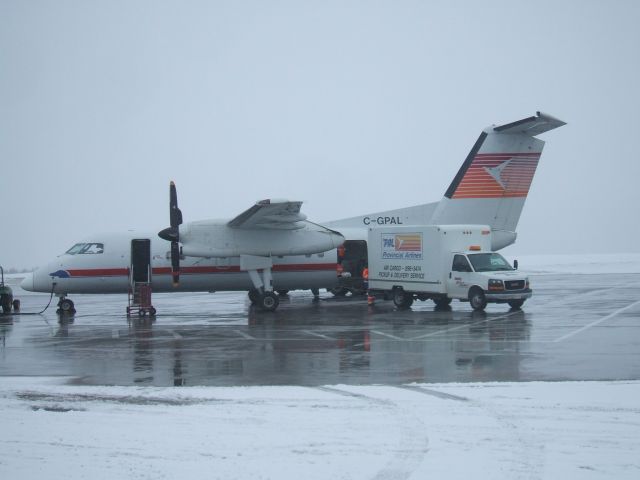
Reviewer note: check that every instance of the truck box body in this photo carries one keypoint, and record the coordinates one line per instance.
(442, 262)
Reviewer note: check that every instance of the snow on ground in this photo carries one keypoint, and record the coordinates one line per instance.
(579, 264)
(52, 430)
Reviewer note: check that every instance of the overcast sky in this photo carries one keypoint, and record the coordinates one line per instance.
(352, 107)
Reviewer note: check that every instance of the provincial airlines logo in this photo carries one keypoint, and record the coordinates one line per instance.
(493, 175)
(406, 246)
(409, 243)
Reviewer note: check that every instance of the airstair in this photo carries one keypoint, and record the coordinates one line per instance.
(139, 299)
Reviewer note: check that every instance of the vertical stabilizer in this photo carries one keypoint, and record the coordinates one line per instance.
(493, 183)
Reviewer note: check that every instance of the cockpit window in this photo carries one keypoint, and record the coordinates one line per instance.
(86, 248)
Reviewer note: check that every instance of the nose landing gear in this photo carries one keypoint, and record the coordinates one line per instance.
(65, 306)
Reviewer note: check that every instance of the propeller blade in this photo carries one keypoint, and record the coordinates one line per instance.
(172, 233)
(175, 263)
(175, 215)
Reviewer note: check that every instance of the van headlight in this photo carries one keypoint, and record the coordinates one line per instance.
(496, 284)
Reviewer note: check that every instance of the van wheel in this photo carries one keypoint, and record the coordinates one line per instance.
(402, 299)
(516, 304)
(477, 299)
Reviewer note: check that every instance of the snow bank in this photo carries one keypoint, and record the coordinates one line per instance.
(511, 430)
(579, 264)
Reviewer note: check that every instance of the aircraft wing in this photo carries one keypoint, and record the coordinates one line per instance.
(270, 214)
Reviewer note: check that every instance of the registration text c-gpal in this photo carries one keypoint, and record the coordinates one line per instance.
(382, 220)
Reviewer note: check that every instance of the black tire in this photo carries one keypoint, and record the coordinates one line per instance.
(442, 302)
(66, 306)
(516, 304)
(338, 291)
(152, 311)
(402, 299)
(477, 299)
(6, 304)
(269, 301)
(254, 296)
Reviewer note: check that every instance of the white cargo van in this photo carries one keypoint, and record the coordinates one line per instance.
(442, 262)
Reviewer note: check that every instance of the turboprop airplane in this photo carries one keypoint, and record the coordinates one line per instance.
(272, 247)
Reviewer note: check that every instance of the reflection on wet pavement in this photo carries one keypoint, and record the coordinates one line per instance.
(569, 330)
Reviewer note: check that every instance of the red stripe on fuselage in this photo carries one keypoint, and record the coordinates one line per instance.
(117, 272)
(98, 272)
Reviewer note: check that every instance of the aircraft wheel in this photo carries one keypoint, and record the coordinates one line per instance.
(338, 291)
(402, 299)
(477, 299)
(269, 301)
(442, 302)
(254, 296)
(516, 304)
(66, 306)
(152, 311)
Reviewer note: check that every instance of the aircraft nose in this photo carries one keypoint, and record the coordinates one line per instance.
(27, 283)
(38, 281)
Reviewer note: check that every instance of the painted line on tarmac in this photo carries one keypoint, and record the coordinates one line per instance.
(309, 332)
(245, 335)
(464, 325)
(388, 335)
(175, 334)
(597, 322)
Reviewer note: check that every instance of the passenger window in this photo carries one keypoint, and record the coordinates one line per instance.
(460, 264)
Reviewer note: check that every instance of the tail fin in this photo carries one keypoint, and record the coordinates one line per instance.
(492, 185)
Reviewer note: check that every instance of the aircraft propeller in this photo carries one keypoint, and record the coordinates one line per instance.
(172, 233)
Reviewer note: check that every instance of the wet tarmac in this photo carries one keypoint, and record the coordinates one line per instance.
(576, 327)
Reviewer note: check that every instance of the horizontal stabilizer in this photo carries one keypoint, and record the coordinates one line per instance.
(531, 126)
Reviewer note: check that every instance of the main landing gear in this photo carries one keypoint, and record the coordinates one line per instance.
(267, 301)
(262, 294)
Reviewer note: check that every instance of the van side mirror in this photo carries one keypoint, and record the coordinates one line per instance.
(515, 264)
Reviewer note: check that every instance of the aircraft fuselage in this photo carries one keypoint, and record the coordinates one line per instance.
(105, 266)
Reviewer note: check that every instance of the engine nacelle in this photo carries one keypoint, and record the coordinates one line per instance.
(216, 239)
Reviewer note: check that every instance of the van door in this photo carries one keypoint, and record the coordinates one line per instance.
(458, 281)
(141, 260)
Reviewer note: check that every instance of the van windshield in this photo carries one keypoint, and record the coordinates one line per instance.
(489, 262)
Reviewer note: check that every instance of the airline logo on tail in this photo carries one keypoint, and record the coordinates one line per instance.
(498, 175)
